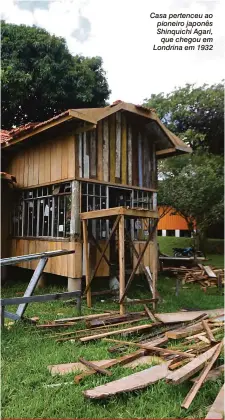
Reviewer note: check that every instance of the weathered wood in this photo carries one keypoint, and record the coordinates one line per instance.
(208, 331)
(116, 319)
(213, 375)
(133, 382)
(93, 366)
(187, 316)
(118, 147)
(156, 349)
(102, 254)
(150, 314)
(131, 301)
(87, 265)
(75, 210)
(124, 156)
(217, 409)
(197, 385)
(129, 156)
(191, 368)
(130, 330)
(83, 317)
(105, 150)
(93, 155)
(120, 361)
(114, 211)
(121, 262)
(209, 271)
(138, 261)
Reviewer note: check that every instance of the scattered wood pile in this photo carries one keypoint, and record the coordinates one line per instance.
(195, 358)
(206, 276)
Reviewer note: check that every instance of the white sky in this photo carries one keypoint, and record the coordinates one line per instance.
(122, 33)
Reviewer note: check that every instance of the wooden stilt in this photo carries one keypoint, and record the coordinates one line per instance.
(121, 263)
(87, 265)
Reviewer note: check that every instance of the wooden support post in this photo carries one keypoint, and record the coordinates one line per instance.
(155, 268)
(121, 263)
(87, 265)
(75, 210)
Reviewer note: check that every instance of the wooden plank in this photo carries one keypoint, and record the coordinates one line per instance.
(217, 409)
(64, 158)
(30, 167)
(129, 383)
(112, 147)
(38, 298)
(156, 349)
(185, 372)
(129, 156)
(197, 385)
(26, 168)
(124, 147)
(99, 151)
(121, 245)
(71, 156)
(83, 317)
(47, 160)
(95, 367)
(208, 331)
(213, 375)
(130, 330)
(150, 314)
(116, 319)
(80, 155)
(93, 155)
(186, 316)
(209, 271)
(95, 214)
(147, 162)
(105, 150)
(41, 164)
(87, 266)
(140, 163)
(86, 156)
(120, 361)
(118, 147)
(36, 166)
(135, 155)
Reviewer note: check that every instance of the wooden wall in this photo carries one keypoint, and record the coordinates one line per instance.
(65, 265)
(118, 151)
(44, 163)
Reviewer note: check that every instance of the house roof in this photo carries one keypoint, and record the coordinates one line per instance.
(92, 116)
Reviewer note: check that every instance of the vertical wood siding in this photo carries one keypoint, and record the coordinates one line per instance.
(43, 163)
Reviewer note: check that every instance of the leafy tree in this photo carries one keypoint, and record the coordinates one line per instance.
(195, 192)
(40, 78)
(196, 114)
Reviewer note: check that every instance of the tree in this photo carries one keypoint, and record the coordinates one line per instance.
(196, 114)
(40, 78)
(195, 192)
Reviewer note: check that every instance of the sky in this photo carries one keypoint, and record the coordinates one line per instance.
(123, 34)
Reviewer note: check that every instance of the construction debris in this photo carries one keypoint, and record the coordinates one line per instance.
(217, 409)
(206, 276)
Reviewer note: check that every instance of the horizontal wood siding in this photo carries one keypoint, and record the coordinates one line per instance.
(66, 265)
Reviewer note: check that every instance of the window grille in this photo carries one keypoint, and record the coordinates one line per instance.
(43, 212)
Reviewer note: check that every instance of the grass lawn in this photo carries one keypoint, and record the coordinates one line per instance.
(26, 353)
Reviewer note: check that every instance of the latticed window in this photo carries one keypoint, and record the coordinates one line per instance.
(43, 212)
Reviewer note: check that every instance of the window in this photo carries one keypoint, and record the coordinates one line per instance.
(185, 234)
(43, 212)
(159, 232)
(170, 232)
(142, 199)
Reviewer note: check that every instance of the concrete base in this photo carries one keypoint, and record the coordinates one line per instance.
(74, 284)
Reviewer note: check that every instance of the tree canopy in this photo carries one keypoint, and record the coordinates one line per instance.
(40, 78)
(196, 114)
(195, 191)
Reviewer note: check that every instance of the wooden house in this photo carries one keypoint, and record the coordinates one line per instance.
(83, 161)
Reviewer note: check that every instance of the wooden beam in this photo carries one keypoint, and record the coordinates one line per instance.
(103, 253)
(121, 262)
(87, 265)
(114, 184)
(156, 349)
(115, 211)
(138, 261)
(150, 314)
(197, 385)
(208, 331)
(120, 361)
(95, 367)
(185, 372)
(130, 330)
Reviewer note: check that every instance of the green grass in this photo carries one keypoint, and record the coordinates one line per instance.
(167, 243)
(26, 353)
